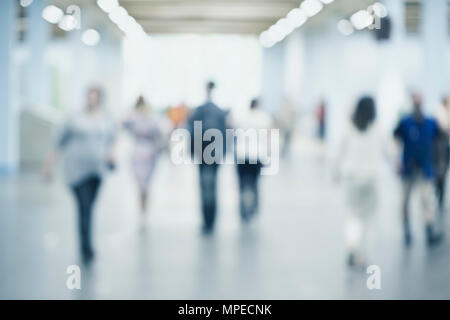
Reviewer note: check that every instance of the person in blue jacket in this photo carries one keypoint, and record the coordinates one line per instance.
(417, 133)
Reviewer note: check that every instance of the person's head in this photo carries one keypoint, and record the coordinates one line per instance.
(254, 104)
(210, 86)
(446, 101)
(365, 113)
(94, 98)
(140, 103)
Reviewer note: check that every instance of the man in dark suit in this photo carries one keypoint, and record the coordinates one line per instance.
(208, 117)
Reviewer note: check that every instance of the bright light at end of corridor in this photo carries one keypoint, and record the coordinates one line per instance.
(90, 37)
(52, 14)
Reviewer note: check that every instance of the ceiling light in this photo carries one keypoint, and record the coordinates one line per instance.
(285, 26)
(52, 14)
(345, 27)
(266, 40)
(379, 9)
(90, 37)
(25, 3)
(118, 15)
(297, 17)
(68, 23)
(361, 19)
(311, 7)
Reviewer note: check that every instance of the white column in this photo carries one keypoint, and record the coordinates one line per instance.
(37, 86)
(273, 77)
(435, 39)
(391, 91)
(8, 114)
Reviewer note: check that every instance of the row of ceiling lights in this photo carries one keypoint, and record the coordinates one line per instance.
(294, 19)
(91, 37)
(121, 18)
(298, 16)
(66, 22)
(362, 19)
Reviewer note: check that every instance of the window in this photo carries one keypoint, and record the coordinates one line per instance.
(413, 10)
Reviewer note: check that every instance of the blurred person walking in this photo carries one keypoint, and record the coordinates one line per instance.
(209, 116)
(249, 153)
(148, 138)
(321, 119)
(286, 121)
(358, 163)
(442, 150)
(86, 142)
(418, 133)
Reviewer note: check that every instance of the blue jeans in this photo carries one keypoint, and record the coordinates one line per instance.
(85, 194)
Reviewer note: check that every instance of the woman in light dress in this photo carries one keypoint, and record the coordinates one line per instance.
(359, 160)
(146, 132)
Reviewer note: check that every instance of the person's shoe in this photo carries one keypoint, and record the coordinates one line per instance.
(87, 255)
(433, 237)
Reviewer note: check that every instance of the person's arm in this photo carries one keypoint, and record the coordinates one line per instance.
(49, 163)
(195, 116)
(398, 131)
(62, 138)
(398, 137)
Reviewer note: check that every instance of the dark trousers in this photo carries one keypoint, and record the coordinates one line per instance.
(440, 189)
(85, 195)
(441, 160)
(248, 188)
(208, 184)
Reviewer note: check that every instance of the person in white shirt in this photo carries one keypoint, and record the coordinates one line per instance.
(441, 149)
(251, 147)
(358, 163)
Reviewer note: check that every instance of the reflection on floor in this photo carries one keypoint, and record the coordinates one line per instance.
(294, 250)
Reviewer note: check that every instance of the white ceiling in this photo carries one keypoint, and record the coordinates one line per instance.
(221, 16)
(225, 16)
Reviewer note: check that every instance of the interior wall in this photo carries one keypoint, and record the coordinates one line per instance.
(340, 69)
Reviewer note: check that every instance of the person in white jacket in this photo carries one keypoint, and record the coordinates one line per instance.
(250, 151)
(358, 162)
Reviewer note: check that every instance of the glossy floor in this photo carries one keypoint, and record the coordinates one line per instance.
(294, 250)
